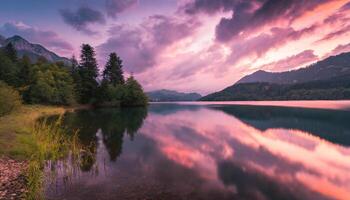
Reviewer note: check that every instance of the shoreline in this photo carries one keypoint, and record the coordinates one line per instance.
(17, 146)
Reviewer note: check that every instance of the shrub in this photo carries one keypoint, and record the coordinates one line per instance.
(133, 94)
(9, 99)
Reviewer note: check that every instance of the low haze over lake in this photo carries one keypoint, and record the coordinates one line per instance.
(208, 151)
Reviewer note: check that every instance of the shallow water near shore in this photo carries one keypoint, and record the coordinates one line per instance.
(209, 150)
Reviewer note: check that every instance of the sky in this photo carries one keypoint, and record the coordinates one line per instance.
(186, 45)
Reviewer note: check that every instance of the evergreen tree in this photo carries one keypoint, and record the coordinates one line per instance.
(134, 95)
(24, 73)
(113, 72)
(75, 75)
(11, 52)
(8, 69)
(88, 72)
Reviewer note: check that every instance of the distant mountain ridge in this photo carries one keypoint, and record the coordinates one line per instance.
(171, 95)
(328, 79)
(33, 51)
(2, 40)
(330, 67)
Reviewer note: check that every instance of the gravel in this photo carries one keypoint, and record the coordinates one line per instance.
(12, 180)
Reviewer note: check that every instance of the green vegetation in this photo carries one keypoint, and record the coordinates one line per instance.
(22, 137)
(51, 143)
(48, 83)
(61, 84)
(333, 89)
(115, 91)
(16, 140)
(9, 99)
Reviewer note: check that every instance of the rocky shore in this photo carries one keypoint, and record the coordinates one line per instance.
(12, 180)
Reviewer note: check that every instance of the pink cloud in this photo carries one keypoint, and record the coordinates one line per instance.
(141, 45)
(338, 50)
(291, 62)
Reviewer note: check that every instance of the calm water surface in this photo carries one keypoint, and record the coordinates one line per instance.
(208, 151)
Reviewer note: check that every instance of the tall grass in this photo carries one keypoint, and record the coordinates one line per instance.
(52, 142)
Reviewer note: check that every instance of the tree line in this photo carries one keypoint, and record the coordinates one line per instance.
(60, 83)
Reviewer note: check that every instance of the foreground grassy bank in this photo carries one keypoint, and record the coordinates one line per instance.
(16, 138)
(23, 138)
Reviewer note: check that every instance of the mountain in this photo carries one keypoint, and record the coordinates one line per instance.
(170, 95)
(328, 79)
(330, 67)
(331, 89)
(34, 51)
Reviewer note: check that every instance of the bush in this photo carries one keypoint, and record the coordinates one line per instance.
(9, 99)
(133, 94)
(51, 84)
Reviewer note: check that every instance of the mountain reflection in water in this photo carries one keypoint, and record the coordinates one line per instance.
(172, 151)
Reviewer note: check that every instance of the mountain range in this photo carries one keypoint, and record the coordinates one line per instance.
(325, 69)
(325, 80)
(170, 95)
(33, 51)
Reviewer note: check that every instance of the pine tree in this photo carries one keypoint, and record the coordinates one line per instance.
(134, 94)
(88, 72)
(24, 73)
(11, 52)
(113, 72)
(75, 75)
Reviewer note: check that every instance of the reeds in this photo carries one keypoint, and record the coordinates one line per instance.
(52, 143)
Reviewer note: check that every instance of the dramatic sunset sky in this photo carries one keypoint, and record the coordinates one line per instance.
(186, 45)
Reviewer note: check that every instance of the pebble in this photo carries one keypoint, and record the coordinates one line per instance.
(12, 180)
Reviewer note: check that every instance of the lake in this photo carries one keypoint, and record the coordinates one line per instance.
(205, 151)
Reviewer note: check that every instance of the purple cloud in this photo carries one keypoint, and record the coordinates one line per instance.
(250, 15)
(140, 46)
(345, 7)
(82, 18)
(49, 39)
(261, 44)
(115, 7)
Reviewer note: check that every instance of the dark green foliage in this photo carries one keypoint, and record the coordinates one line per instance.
(9, 99)
(11, 52)
(129, 94)
(55, 83)
(74, 71)
(133, 93)
(24, 71)
(51, 84)
(8, 70)
(333, 89)
(113, 72)
(114, 91)
(88, 72)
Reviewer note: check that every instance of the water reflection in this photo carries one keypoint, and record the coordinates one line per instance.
(210, 152)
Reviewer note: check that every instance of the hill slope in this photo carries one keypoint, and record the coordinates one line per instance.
(326, 80)
(170, 95)
(34, 51)
(330, 67)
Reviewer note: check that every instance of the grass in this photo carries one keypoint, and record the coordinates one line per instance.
(16, 138)
(22, 137)
(51, 143)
